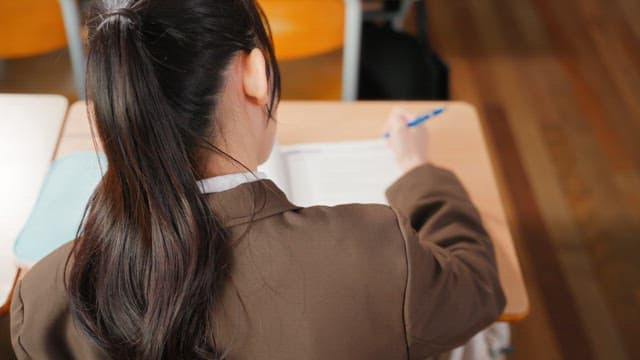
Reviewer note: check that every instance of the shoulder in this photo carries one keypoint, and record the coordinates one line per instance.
(370, 221)
(41, 293)
(41, 325)
(39, 308)
(48, 273)
(351, 213)
(360, 235)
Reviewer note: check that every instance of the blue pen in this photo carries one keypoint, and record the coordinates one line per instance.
(420, 119)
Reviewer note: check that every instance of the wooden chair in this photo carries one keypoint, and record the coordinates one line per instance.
(30, 28)
(306, 28)
(36, 27)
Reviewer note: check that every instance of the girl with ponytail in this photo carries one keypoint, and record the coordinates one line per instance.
(186, 252)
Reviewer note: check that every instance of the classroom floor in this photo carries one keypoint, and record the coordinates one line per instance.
(557, 85)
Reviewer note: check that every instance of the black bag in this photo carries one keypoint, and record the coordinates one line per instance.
(397, 66)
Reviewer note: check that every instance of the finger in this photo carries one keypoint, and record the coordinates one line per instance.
(405, 115)
(398, 124)
(386, 126)
(395, 115)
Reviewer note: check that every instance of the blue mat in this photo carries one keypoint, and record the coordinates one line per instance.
(58, 211)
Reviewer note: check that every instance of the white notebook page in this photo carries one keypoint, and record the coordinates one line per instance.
(339, 173)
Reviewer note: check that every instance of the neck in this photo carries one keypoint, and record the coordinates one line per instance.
(218, 165)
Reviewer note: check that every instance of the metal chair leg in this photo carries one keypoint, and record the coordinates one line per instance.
(351, 49)
(398, 19)
(71, 15)
(3, 68)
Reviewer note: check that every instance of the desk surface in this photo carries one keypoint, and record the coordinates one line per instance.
(29, 131)
(456, 142)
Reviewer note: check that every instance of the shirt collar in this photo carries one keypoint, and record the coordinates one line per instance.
(227, 182)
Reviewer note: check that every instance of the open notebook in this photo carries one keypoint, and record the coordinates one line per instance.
(333, 173)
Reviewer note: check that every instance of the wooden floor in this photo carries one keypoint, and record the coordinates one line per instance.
(558, 87)
(557, 84)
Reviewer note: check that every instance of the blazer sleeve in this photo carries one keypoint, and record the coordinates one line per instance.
(453, 290)
(17, 321)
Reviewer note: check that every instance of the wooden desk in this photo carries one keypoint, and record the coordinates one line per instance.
(29, 131)
(456, 142)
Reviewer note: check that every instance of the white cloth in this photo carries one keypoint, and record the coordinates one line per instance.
(228, 182)
(492, 343)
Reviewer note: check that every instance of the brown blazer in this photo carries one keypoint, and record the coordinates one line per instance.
(345, 282)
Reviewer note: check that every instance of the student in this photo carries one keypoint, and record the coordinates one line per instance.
(184, 96)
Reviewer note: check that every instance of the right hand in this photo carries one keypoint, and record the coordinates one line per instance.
(408, 144)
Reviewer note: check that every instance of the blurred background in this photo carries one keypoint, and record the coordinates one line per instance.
(557, 87)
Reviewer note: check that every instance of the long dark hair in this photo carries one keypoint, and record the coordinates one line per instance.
(152, 259)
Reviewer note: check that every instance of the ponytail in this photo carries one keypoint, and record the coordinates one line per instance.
(152, 258)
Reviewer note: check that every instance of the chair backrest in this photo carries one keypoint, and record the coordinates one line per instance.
(304, 28)
(30, 28)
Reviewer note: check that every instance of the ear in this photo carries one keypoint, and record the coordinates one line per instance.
(254, 77)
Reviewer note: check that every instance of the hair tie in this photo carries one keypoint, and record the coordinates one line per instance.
(131, 16)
